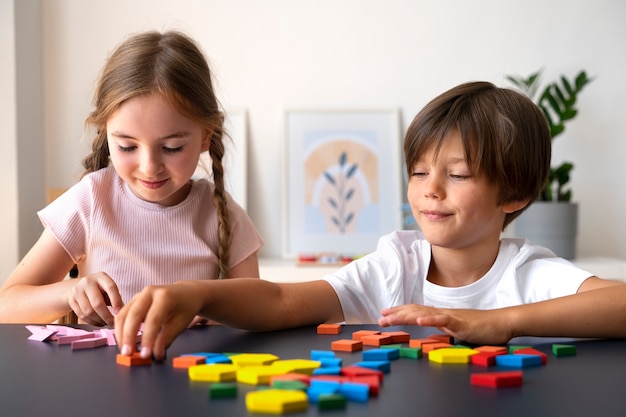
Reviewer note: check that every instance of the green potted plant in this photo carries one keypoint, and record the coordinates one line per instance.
(552, 221)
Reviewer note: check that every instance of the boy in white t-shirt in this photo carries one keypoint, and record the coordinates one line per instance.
(476, 156)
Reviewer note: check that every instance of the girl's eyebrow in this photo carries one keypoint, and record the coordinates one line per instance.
(174, 135)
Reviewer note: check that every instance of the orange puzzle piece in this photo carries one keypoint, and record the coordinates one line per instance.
(346, 345)
(133, 360)
(327, 328)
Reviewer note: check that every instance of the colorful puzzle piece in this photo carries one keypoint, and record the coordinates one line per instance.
(563, 350)
(276, 401)
(346, 345)
(327, 328)
(452, 355)
(132, 360)
(497, 379)
(218, 372)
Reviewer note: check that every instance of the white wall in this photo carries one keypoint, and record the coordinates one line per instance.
(329, 54)
(8, 132)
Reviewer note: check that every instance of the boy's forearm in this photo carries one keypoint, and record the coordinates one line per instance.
(595, 313)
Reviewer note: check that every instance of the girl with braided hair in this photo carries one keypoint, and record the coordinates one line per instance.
(137, 217)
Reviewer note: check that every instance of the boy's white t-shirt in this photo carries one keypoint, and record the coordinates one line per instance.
(395, 274)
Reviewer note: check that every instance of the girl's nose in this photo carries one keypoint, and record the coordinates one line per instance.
(150, 164)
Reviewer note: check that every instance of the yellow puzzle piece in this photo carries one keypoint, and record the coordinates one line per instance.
(257, 374)
(299, 366)
(218, 372)
(253, 359)
(451, 355)
(276, 401)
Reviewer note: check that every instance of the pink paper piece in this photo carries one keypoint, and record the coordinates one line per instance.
(110, 336)
(90, 343)
(41, 335)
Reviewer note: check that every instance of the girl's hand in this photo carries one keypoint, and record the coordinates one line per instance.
(165, 312)
(92, 295)
(472, 326)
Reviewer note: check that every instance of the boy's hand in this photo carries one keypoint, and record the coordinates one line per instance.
(472, 326)
(92, 295)
(165, 312)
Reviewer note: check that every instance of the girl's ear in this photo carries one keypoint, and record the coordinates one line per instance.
(206, 140)
(513, 206)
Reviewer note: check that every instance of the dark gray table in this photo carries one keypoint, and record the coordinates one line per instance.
(44, 379)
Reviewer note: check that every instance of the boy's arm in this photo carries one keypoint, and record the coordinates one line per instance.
(597, 310)
(247, 303)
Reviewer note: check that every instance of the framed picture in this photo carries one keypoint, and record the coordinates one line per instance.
(343, 180)
(235, 157)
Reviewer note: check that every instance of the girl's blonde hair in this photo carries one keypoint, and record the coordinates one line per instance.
(170, 64)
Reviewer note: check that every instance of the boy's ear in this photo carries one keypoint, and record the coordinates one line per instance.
(513, 206)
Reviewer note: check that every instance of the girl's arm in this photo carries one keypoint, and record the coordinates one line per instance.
(249, 268)
(35, 292)
(247, 303)
(597, 310)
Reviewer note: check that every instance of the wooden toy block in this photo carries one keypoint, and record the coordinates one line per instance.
(329, 328)
(354, 391)
(371, 380)
(276, 401)
(328, 370)
(346, 345)
(518, 360)
(532, 351)
(217, 359)
(353, 370)
(360, 333)
(257, 375)
(563, 350)
(513, 348)
(496, 349)
(317, 355)
(132, 360)
(383, 366)
(398, 337)
(336, 378)
(497, 379)
(442, 337)
(326, 385)
(331, 402)
(110, 336)
(294, 385)
(218, 372)
(428, 347)
(89, 343)
(291, 377)
(451, 355)
(419, 343)
(301, 366)
(331, 362)
(485, 358)
(411, 352)
(184, 362)
(380, 354)
(376, 340)
(222, 390)
(253, 359)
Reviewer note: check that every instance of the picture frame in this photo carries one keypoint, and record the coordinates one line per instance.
(343, 182)
(235, 160)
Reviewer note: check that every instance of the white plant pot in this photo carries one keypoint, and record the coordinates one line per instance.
(550, 224)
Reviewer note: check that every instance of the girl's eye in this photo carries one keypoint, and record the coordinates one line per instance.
(418, 174)
(172, 150)
(126, 148)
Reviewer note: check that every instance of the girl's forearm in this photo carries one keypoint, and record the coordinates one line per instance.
(34, 303)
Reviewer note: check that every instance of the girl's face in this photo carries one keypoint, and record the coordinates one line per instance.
(454, 207)
(154, 148)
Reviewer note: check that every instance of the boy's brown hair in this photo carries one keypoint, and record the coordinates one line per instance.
(505, 137)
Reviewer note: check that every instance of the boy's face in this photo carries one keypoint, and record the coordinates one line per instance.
(454, 207)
